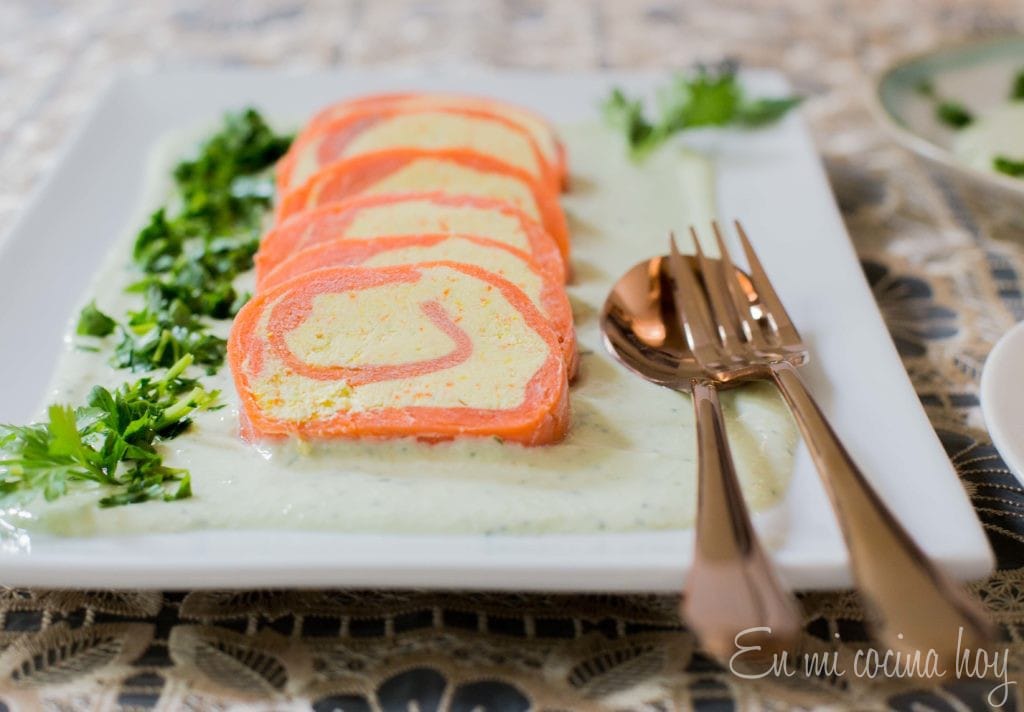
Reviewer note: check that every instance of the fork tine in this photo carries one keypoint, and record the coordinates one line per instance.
(724, 315)
(751, 330)
(692, 309)
(776, 313)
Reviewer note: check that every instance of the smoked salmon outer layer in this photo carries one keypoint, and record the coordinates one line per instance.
(402, 170)
(434, 351)
(539, 128)
(379, 127)
(424, 213)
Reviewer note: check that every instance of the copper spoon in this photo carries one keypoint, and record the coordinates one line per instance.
(732, 588)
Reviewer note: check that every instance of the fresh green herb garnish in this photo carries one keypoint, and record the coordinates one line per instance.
(953, 113)
(190, 259)
(711, 97)
(93, 322)
(222, 188)
(188, 256)
(1017, 90)
(1009, 166)
(950, 112)
(766, 111)
(627, 115)
(158, 337)
(110, 441)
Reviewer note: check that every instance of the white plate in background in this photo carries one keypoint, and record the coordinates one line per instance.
(1002, 398)
(977, 74)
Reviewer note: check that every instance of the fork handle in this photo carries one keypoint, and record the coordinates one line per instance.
(732, 585)
(913, 605)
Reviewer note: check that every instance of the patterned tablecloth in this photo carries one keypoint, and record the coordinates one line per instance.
(946, 273)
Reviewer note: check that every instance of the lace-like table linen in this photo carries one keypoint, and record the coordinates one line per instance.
(946, 272)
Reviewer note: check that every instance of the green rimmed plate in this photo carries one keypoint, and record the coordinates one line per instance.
(978, 75)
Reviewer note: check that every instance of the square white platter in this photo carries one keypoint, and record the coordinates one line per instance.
(771, 179)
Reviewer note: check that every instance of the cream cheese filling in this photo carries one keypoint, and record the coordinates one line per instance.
(386, 326)
(537, 128)
(459, 249)
(443, 130)
(430, 174)
(424, 217)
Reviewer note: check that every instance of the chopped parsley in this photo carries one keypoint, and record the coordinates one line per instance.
(1009, 166)
(711, 97)
(953, 114)
(225, 186)
(765, 111)
(188, 256)
(1017, 90)
(159, 334)
(93, 322)
(949, 112)
(627, 115)
(109, 441)
(1005, 164)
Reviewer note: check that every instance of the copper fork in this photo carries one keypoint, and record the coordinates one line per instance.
(911, 604)
(732, 589)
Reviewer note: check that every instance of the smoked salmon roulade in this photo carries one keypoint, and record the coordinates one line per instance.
(434, 351)
(539, 129)
(414, 171)
(376, 128)
(544, 288)
(411, 214)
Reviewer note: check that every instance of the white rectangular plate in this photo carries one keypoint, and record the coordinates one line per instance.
(771, 179)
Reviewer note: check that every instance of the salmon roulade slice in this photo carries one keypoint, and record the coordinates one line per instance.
(379, 128)
(544, 288)
(412, 214)
(413, 171)
(539, 129)
(434, 351)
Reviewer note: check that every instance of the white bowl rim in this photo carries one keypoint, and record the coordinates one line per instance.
(991, 393)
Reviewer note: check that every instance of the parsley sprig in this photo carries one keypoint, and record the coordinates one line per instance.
(948, 111)
(109, 441)
(1009, 166)
(189, 255)
(712, 96)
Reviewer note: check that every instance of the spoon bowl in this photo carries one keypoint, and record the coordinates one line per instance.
(643, 331)
(732, 588)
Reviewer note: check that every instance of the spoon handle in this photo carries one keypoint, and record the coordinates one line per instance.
(915, 607)
(732, 585)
